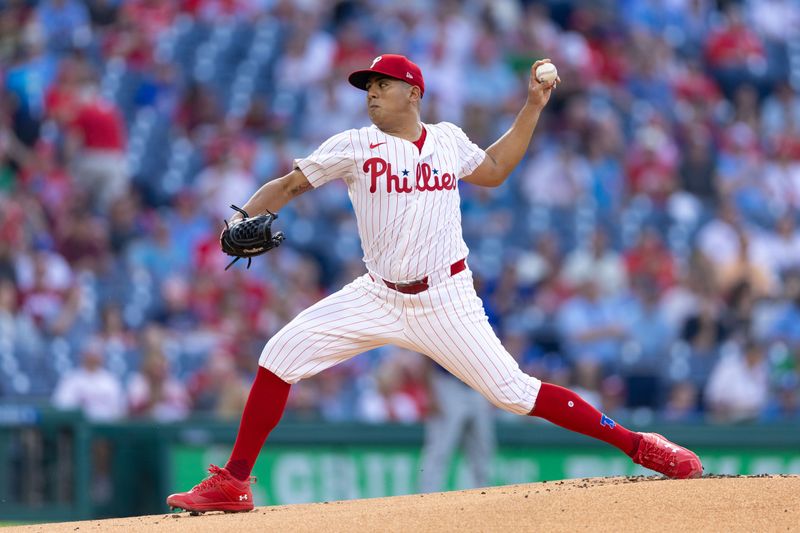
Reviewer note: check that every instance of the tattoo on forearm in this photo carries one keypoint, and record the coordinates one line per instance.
(297, 190)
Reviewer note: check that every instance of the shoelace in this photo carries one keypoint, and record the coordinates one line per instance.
(664, 453)
(212, 480)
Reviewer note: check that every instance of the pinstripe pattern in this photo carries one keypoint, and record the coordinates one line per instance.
(447, 323)
(451, 319)
(409, 229)
(404, 235)
(355, 319)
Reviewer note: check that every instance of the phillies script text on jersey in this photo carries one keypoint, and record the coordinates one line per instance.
(425, 179)
(400, 208)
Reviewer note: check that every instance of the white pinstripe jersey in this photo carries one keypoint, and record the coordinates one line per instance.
(406, 202)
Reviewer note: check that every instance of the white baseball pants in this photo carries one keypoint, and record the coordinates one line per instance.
(446, 322)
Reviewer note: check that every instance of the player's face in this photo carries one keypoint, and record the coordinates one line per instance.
(386, 97)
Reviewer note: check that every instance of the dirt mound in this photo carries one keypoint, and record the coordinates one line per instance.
(714, 503)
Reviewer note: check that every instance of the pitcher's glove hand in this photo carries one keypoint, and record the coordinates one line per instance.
(249, 237)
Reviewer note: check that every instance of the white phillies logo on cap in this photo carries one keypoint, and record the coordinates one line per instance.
(374, 61)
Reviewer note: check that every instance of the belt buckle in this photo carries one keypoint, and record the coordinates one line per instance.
(408, 283)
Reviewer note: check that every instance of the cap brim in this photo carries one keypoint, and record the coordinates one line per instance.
(360, 78)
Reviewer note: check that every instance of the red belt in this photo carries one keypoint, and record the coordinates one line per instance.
(420, 285)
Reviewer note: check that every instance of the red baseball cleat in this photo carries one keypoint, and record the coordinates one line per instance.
(219, 492)
(657, 453)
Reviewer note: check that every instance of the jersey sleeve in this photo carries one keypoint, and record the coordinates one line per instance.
(470, 155)
(333, 159)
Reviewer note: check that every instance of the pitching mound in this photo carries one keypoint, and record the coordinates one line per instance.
(760, 503)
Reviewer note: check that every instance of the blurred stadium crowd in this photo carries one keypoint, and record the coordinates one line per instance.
(645, 252)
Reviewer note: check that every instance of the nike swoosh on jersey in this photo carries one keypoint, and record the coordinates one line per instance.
(373, 146)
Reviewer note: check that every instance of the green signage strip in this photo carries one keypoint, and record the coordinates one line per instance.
(326, 473)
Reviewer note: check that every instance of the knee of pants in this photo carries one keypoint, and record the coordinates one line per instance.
(516, 395)
(512, 405)
(280, 362)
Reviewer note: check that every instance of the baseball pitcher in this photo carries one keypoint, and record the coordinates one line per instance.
(417, 292)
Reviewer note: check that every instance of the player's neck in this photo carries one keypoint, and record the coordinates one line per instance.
(409, 130)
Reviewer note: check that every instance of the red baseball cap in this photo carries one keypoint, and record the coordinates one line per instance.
(391, 65)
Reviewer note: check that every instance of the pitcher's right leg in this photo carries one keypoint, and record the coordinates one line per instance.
(357, 318)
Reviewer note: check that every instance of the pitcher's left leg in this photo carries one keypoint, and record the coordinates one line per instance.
(447, 323)
(454, 330)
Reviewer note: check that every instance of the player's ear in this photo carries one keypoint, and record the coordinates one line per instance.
(415, 93)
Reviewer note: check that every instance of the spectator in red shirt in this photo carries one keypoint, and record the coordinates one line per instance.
(60, 98)
(651, 165)
(734, 53)
(151, 17)
(695, 85)
(650, 259)
(400, 393)
(97, 145)
(352, 47)
(130, 43)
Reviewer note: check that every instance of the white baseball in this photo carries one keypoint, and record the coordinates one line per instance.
(546, 72)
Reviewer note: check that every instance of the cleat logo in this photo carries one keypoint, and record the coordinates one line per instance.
(242, 497)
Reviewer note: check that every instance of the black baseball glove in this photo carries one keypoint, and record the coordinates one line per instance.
(249, 237)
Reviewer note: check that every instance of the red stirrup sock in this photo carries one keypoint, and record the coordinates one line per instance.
(566, 409)
(263, 410)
